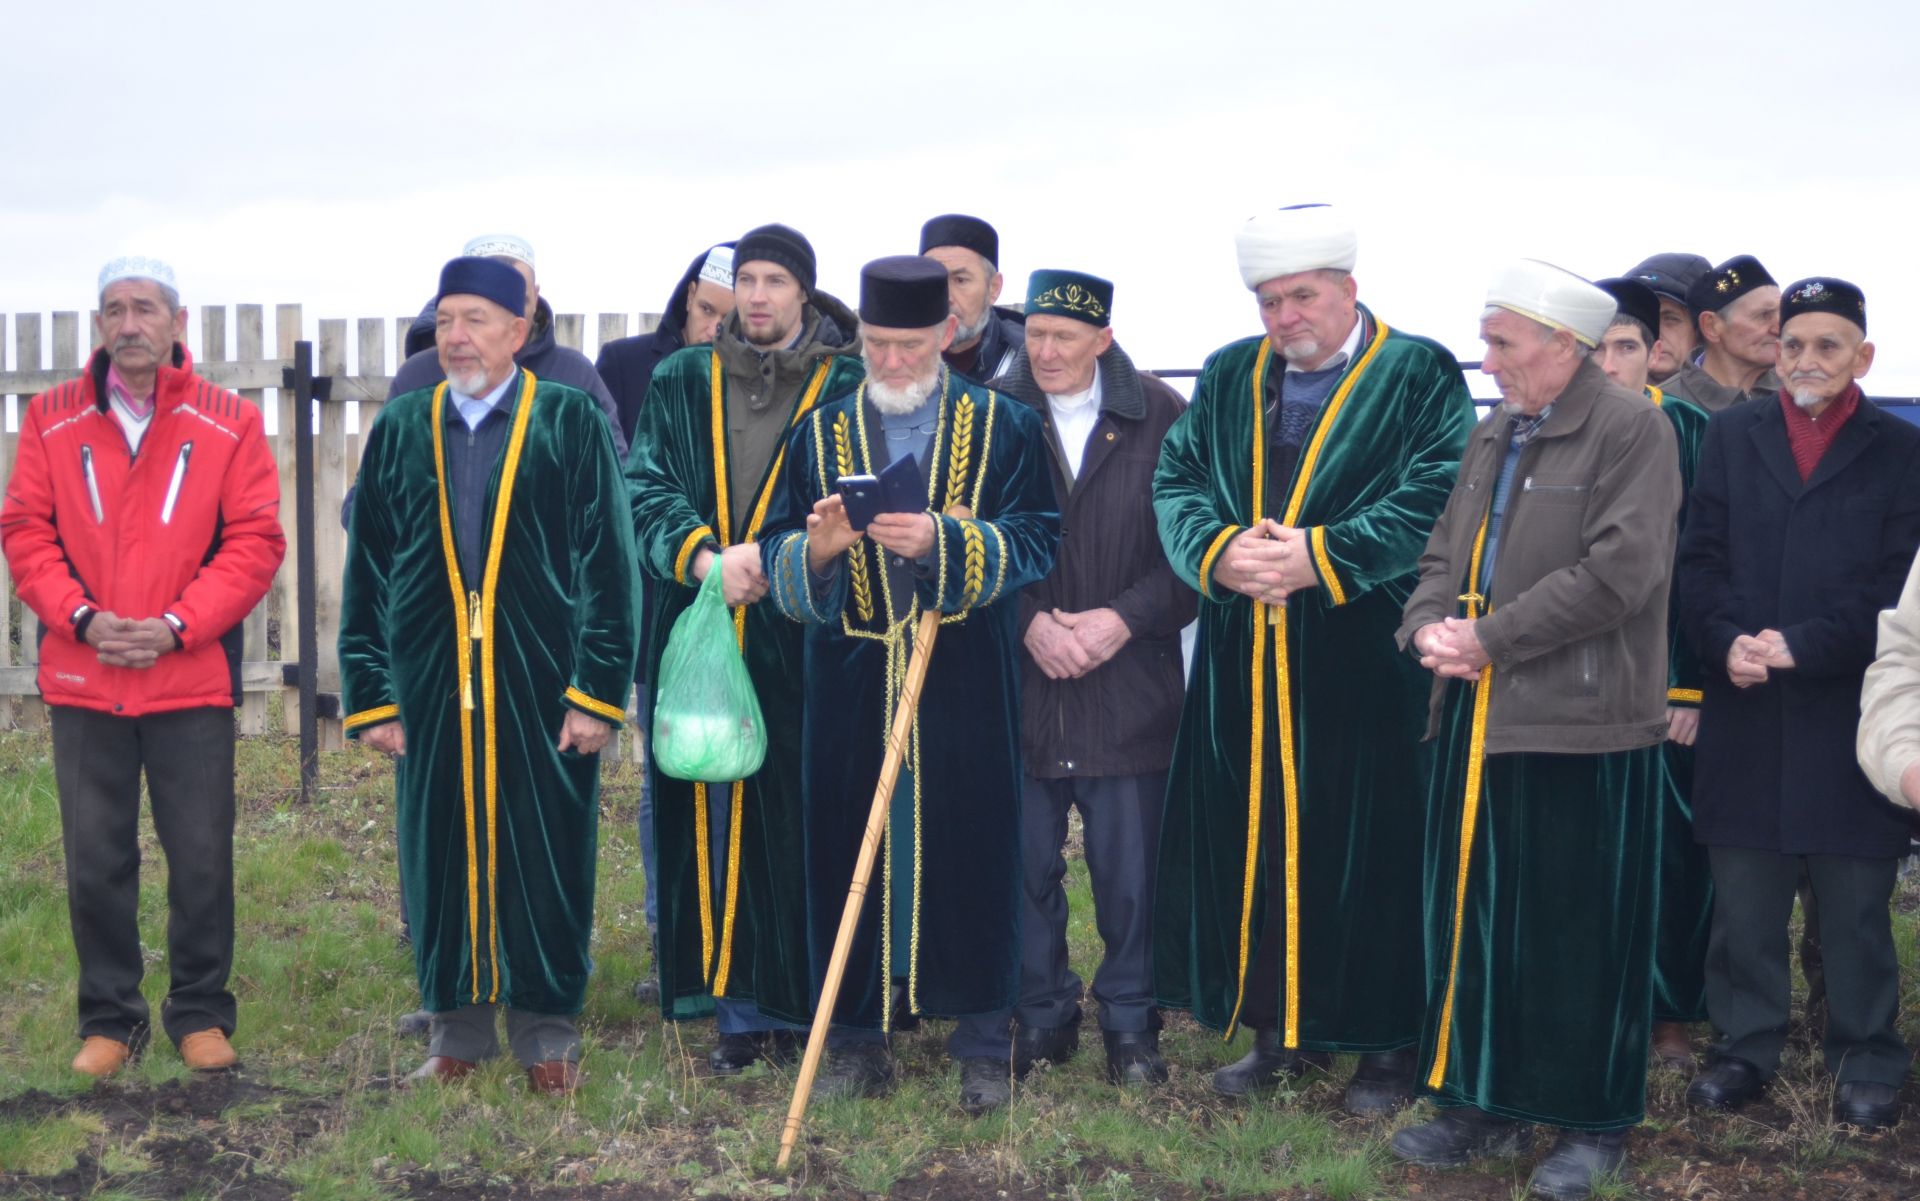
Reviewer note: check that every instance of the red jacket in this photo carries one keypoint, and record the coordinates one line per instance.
(87, 522)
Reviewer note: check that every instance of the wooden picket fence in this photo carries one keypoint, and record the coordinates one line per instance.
(231, 351)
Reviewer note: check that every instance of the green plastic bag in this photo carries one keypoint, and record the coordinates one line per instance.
(706, 718)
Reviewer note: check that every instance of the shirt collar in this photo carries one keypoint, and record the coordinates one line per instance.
(1345, 354)
(1074, 402)
(474, 409)
(139, 408)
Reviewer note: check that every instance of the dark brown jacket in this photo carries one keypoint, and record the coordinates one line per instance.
(1578, 626)
(1119, 719)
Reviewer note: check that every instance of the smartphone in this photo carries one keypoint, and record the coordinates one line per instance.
(897, 489)
(861, 495)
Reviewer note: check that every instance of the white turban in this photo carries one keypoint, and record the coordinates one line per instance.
(504, 246)
(1305, 237)
(134, 266)
(1554, 297)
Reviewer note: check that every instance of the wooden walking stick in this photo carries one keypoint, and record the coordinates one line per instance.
(897, 738)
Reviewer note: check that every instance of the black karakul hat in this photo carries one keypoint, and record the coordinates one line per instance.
(1824, 294)
(1727, 283)
(1634, 299)
(780, 244)
(958, 229)
(1672, 274)
(903, 291)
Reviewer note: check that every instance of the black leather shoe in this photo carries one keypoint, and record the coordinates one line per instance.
(985, 1085)
(1133, 1057)
(1578, 1161)
(1266, 1067)
(1728, 1084)
(417, 1024)
(1460, 1135)
(855, 1070)
(646, 989)
(1866, 1104)
(735, 1053)
(1055, 1044)
(1382, 1083)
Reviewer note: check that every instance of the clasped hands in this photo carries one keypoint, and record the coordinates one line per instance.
(1067, 646)
(1752, 657)
(830, 535)
(1266, 561)
(126, 642)
(1450, 648)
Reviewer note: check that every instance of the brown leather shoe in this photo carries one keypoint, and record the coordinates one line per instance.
(555, 1077)
(101, 1056)
(208, 1051)
(440, 1068)
(1672, 1046)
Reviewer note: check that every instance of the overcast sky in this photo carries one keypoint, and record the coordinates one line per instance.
(335, 155)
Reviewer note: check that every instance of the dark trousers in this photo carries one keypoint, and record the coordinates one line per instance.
(1120, 827)
(188, 760)
(1748, 985)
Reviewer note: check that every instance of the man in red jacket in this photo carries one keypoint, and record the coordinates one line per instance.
(142, 525)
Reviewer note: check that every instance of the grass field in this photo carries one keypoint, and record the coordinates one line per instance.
(313, 1111)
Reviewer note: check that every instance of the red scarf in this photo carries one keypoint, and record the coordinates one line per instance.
(1809, 436)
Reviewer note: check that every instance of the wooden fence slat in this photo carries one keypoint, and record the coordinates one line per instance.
(613, 326)
(372, 361)
(569, 329)
(250, 343)
(26, 349)
(329, 545)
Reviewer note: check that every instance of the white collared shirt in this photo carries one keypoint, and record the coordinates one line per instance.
(474, 409)
(1345, 354)
(1074, 416)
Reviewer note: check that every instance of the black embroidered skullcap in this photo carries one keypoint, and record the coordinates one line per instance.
(1824, 294)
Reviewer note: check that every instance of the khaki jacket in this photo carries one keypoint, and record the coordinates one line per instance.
(1889, 740)
(1578, 626)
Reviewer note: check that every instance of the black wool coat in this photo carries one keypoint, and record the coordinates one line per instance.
(1774, 765)
(1120, 718)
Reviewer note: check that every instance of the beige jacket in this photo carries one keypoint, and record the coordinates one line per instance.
(1889, 740)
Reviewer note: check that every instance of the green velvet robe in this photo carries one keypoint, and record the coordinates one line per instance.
(498, 829)
(1342, 766)
(1686, 882)
(958, 891)
(732, 925)
(1548, 1014)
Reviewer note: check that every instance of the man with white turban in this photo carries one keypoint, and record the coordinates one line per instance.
(1295, 495)
(1542, 612)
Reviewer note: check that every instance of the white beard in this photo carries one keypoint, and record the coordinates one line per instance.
(1304, 352)
(473, 384)
(895, 401)
(1804, 386)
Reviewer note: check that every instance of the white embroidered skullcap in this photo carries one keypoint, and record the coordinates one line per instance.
(504, 246)
(1302, 237)
(718, 269)
(135, 266)
(1553, 297)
